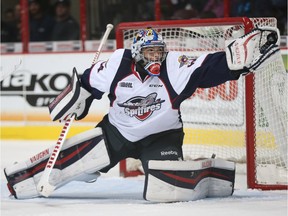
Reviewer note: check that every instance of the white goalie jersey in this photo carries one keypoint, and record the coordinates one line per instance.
(139, 108)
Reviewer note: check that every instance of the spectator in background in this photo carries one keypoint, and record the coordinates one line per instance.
(8, 26)
(241, 8)
(262, 8)
(9, 15)
(66, 27)
(188, 12)
(215, 6)
(17, 11)
(41, 24)
(17, 14)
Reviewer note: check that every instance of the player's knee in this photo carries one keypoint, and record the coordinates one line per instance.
(80, 159)
(173, 181)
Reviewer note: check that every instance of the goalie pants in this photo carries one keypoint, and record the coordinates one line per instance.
(166, 145)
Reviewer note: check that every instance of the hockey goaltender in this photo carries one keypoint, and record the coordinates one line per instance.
(145, 86)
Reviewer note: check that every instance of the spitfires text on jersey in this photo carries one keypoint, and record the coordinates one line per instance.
(142, 107)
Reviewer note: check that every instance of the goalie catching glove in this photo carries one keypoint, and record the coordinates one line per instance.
(73, 100)
(250, 51)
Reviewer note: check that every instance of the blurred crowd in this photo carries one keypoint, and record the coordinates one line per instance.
(191, 9)
(52, 20)
(44, 26)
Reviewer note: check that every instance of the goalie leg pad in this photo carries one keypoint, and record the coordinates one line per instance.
(79, 160)
(174, 181)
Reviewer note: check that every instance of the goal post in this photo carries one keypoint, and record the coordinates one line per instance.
(244, 121)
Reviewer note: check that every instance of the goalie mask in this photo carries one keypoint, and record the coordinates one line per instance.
(149, 50)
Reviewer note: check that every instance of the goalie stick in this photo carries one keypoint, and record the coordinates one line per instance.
(43, 186)
(10, 70)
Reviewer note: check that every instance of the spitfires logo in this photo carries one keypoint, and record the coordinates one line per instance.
(186, 60)
(142, 107)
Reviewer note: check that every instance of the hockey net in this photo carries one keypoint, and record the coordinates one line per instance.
(244, 121)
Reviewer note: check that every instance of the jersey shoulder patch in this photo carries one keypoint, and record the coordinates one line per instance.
(185, 60)
(178, 60)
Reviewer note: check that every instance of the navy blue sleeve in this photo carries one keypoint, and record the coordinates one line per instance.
(86, 85)
(214, 71)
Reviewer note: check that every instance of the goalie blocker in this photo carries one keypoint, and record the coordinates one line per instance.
(171, 181)
(73, 100)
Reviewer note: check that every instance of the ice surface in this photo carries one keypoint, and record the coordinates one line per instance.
(112, 195)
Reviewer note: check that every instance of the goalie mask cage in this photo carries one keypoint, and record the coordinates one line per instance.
(244, 121)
